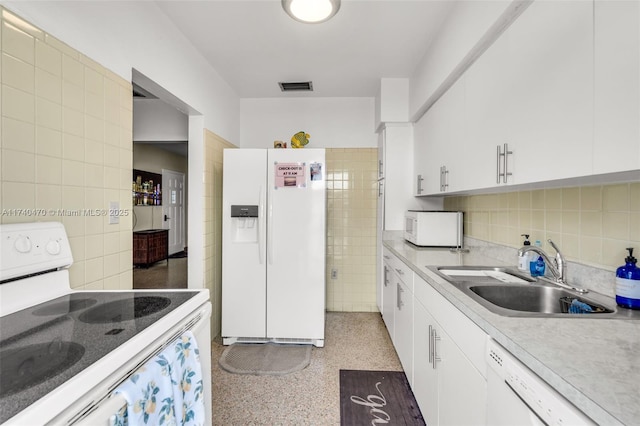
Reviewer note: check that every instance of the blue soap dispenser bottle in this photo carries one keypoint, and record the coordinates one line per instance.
(628, 283)
(540, 267)
(537, 266)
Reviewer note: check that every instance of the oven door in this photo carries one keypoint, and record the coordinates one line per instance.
(102, 404)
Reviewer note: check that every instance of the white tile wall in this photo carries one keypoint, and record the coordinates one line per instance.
(66, 148)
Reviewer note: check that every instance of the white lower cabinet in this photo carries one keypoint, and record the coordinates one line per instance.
(448, 388)
(388, 297)
(404, 322)
(462, 389)
(425, 374)
(441, 350)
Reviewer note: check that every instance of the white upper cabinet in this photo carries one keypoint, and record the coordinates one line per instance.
(485, 108)
(396, 142)
(531, 95)
(455, 172)
(431, 145)
(439, 139)
(559, 91)
(549, 90)
(617, 86)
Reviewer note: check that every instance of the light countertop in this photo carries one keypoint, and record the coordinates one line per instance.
(594, 363)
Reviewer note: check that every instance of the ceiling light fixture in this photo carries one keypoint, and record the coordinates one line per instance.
(311, 11)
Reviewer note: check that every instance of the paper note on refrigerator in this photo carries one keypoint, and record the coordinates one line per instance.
(290, 175)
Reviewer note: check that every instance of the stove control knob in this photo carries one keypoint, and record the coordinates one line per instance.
(53, 247)
(23, 244)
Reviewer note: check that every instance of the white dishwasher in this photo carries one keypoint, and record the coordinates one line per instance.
(516, 396)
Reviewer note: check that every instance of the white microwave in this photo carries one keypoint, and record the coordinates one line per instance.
(433, 228)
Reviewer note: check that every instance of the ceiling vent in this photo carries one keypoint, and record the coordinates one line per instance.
(302, 86)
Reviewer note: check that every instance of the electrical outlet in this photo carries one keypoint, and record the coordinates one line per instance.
(114, 212)
(334, 274)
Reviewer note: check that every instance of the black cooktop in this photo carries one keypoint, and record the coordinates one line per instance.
(45, 345)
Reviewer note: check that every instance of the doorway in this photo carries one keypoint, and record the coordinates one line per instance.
(160, 156)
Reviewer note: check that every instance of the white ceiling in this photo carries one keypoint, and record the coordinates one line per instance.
(254, 44)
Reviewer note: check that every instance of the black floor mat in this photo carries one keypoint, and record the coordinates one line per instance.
(377, 397)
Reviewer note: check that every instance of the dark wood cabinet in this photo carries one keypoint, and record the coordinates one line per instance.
(150, 246)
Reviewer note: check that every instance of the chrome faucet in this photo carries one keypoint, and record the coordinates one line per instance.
(557, 267)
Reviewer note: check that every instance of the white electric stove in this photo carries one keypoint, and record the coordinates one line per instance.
(63, 352)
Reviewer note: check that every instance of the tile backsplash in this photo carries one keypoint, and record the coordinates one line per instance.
(66, 149)
(351, 229)
(592, 225)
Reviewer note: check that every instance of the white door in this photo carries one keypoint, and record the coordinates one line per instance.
(389, 296)
(296, 243)
(425, 376)
(403, 332)
(243, 244)
(550, 82)
(462, 390)
(173, 209)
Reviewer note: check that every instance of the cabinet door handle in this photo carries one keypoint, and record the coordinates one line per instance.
(380, 174)
(380, 189)
(386, 276)
(506, 155)
(399, 271)
(434, 339)
(398, 296)
(498, 155)
(431, 345)
(420, 179)
(445, 178)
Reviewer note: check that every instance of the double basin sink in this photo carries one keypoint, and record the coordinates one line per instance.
(507, 292)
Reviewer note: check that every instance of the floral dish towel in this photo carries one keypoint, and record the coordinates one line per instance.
(167, 390)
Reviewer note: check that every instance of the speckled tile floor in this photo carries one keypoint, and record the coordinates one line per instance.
(353, 340)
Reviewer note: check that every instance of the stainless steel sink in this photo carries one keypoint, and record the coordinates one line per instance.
(527, 296)
(541, 299)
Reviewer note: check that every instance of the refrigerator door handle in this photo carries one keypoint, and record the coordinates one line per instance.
(270, 227)
(261, 226)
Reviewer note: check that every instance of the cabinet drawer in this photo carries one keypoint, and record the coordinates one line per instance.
(404, 272)
(388, 257)
(463, 332)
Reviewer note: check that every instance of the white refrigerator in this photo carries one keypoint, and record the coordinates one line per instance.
(273, 239)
